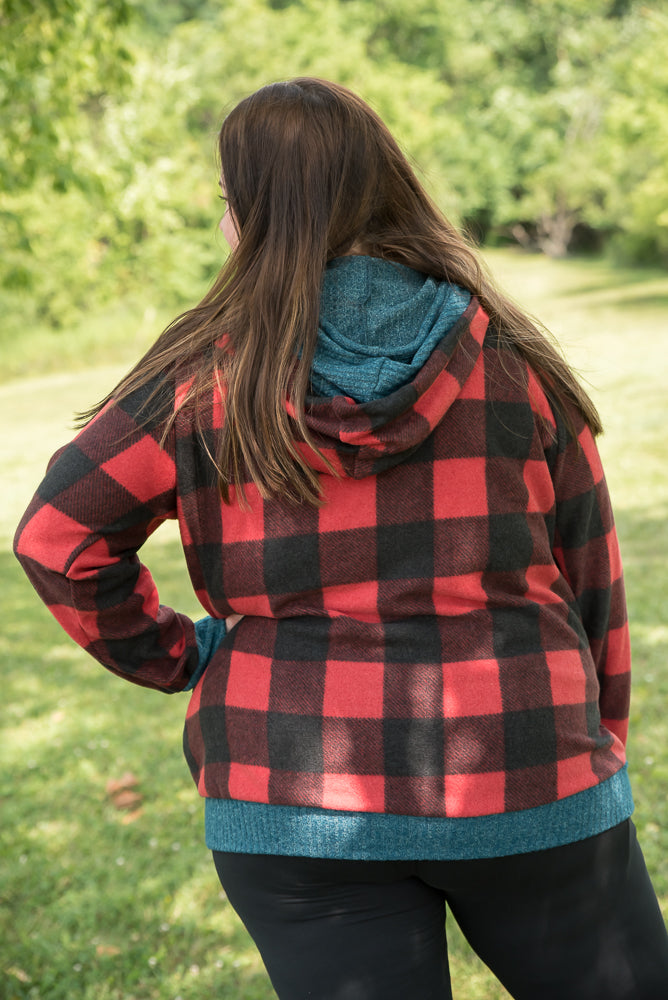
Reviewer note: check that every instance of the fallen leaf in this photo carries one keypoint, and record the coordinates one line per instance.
(116, 785)
(107, 949)
(127, 800)
(19, 974)
(131, 817)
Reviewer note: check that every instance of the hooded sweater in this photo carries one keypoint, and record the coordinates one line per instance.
(432, 664)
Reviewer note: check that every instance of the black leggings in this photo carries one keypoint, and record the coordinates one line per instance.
(579, 922)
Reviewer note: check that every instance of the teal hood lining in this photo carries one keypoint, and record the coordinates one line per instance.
(379, 323)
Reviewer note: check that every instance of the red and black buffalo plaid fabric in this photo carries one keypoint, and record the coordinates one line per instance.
(446, 635)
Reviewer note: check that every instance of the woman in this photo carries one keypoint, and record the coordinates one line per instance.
(386, 481)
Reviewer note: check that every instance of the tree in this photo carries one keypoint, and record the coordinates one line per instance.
(636, 125)
(527, 121)
(59, 58)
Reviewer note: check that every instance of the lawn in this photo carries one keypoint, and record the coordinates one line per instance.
(108, 903)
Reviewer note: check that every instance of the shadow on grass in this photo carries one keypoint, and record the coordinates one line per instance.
(102, 903)
(583, 276)
(649, 301)
(643, 535)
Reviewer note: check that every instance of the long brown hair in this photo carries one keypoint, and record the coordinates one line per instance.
(311, 173)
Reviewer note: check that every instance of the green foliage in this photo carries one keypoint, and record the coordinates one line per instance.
(58, 58)
(637, 126)
(544, 123)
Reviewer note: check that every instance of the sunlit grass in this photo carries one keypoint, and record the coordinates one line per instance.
(106, 904)
(117, 334)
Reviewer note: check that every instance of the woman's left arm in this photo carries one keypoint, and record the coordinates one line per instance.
(587, 551)
(103, 495)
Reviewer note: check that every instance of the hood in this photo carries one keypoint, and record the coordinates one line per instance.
(364, 438)
(379, 322)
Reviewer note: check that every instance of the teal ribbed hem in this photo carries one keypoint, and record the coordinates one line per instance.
(255, 828)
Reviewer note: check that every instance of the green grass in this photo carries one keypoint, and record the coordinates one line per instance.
(116, 334)
(99, 908)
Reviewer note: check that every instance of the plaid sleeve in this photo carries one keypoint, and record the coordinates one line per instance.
(587, 551)
(103, 495)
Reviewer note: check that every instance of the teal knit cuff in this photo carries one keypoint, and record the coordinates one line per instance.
(209, 633)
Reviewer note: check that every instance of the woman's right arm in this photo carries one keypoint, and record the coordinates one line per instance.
(102, 496)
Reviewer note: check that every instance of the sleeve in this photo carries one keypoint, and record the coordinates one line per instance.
(102, 497)
(586, 549)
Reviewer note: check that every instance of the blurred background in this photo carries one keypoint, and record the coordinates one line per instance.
(541, 127)
(538, 124)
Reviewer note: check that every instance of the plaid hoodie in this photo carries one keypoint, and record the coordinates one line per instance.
(444, 638)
